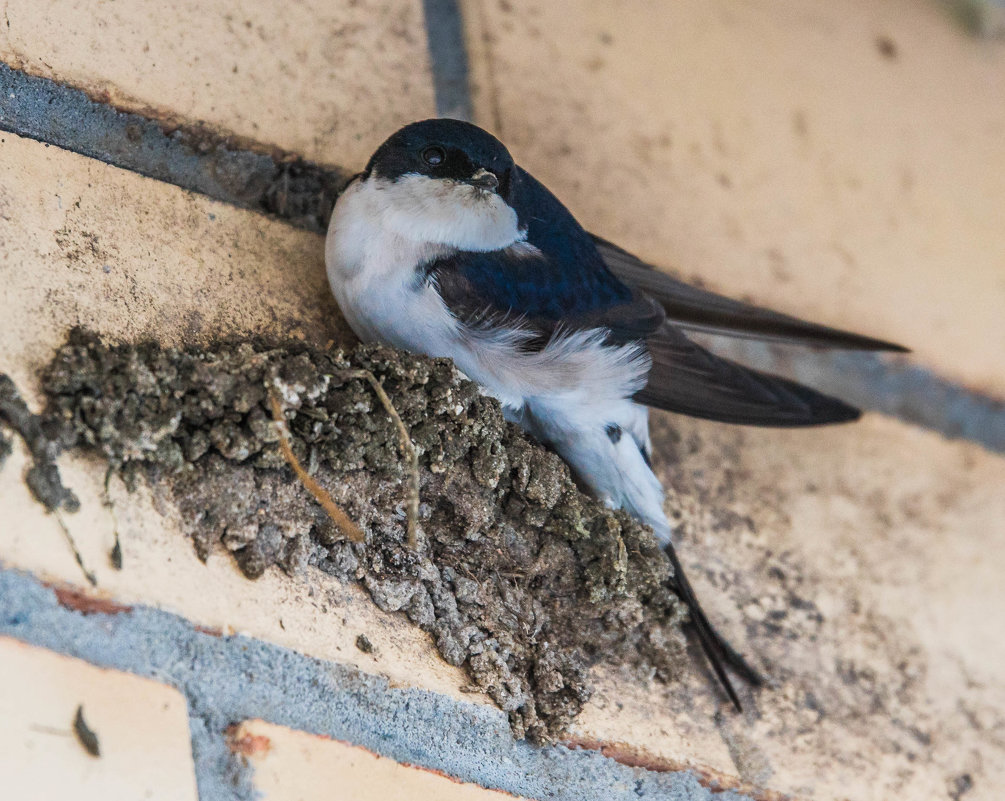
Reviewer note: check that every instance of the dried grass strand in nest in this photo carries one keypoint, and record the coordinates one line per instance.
(408, 450)
(321, 495)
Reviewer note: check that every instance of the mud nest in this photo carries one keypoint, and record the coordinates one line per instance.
(521, 577)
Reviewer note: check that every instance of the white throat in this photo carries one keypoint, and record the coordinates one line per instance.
(444, 212)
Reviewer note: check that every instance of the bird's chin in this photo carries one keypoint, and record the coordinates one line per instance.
(450, 213)
(478, 194)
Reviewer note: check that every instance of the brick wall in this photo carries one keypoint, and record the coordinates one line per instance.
(164, 173)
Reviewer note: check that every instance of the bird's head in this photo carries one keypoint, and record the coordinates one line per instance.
(448, 182)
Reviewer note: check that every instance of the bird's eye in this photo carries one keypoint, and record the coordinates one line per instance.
(434, 156)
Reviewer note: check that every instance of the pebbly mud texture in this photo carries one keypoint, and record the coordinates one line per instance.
(41, 438)
(521, 577)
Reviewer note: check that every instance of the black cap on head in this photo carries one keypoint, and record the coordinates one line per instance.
(441, 149)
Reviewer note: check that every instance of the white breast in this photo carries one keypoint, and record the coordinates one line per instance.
(372, 270)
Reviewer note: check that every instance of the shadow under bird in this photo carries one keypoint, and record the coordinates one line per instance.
(444, 246)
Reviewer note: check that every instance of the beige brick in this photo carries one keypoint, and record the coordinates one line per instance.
(296, 766)
(141, 726)
(882, 544)
(320, 78)
(773, 151)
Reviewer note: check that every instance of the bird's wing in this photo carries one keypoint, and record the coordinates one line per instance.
(492, 288)
(697, 309)
(527, 291)
(555, 280)
(688, 379)
(558, 281)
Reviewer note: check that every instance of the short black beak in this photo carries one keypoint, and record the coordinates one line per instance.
(484, 179)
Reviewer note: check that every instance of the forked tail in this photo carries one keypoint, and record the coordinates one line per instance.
(717, 650)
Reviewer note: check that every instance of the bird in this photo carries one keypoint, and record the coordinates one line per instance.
(444, 246)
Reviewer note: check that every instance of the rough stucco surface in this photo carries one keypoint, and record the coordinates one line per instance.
(87, 244)
(77, 232)
(861, 564)
(857, 565)
(838, 160)
(227, 679)
(319, 78)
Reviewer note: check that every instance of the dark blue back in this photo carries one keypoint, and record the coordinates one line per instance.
(571, 281)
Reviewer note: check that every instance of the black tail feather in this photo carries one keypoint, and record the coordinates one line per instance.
(716, 649)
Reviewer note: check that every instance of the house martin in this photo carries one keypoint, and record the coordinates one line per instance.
(444, 246)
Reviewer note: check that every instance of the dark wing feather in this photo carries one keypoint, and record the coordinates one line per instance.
(688, 379)
(495, 288)
(567, 285)
(697, 309)
(564, 286)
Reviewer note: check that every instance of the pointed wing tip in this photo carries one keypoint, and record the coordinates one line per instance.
(879, 345)
(688, 379)
(819, 337)
(836, 412)
(820, 410)
(697, 309)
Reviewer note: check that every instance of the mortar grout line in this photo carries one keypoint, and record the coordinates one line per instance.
(263, 179)
(234, 678)
(302, 193)
(889, 385)
(448, 55)
(220, 773)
